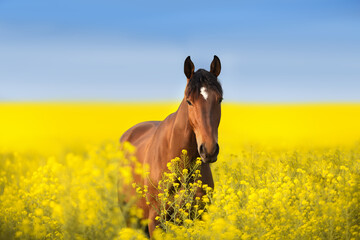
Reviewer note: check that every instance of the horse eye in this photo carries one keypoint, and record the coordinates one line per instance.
(189, 102)
(220, 100)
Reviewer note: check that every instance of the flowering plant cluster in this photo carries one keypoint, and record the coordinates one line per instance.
(311, 193)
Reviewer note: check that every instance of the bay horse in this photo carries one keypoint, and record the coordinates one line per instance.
(194, 127)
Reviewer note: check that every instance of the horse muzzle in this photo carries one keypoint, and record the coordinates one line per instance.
(209, 157)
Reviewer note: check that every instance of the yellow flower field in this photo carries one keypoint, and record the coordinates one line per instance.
(284, 172)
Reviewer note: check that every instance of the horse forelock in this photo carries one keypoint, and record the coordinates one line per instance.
(200, 79)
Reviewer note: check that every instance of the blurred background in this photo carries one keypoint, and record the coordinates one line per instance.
(271, 51)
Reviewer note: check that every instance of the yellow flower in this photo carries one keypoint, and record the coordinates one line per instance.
(39, 212)
(188, 221)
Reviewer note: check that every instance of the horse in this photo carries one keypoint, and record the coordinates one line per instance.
(194, 127)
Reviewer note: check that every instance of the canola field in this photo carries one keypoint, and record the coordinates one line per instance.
(287, 171)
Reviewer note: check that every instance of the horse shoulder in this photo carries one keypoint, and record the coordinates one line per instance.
(157, 150)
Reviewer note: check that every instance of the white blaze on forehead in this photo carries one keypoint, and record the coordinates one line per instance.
(204, 92)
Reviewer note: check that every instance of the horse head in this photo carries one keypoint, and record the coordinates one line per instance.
(203, 95)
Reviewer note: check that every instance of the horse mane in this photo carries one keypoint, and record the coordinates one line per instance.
(203, 78)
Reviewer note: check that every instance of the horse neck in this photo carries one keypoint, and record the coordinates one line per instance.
(182, 135)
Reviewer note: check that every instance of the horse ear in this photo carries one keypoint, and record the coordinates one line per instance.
(188, 67)
(215, 67)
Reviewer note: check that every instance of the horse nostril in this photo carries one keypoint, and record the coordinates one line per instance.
(217, 149)
(202, 149)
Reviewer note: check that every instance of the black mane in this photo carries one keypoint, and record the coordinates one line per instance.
(203, 78)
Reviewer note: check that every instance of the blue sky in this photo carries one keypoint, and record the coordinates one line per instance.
(271, 51)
